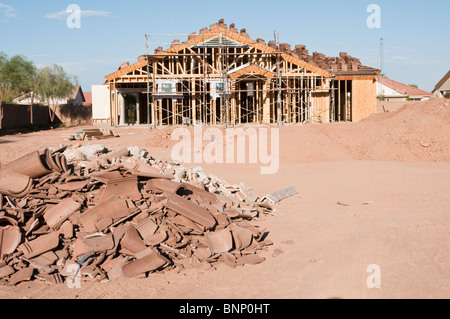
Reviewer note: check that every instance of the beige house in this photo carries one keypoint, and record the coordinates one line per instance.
(75, 98)
(390, 90)
(442, 89)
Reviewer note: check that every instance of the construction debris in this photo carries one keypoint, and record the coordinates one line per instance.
(120, 214)
(92, 135)
(278, 196)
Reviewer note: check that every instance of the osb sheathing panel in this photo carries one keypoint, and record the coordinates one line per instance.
(321, 107)
(364, 99)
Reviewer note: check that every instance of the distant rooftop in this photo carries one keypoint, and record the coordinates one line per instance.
(402, 88)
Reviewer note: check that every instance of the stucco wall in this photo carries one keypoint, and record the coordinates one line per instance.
(100, 103)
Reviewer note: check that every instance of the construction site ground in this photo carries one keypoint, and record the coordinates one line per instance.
(370, 193)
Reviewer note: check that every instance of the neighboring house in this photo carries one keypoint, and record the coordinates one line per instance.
(442, 89)
(75, 98)
(392, 90)
(221, 75)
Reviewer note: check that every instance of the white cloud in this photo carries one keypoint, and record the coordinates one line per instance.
(7, 12)
(64, 14)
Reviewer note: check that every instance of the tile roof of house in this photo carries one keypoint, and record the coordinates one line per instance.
(402, 88)
(87, 98)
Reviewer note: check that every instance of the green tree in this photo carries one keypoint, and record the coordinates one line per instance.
(4, 84)
(14, 73)
(19, 70)
(55, 84)
(35, 81)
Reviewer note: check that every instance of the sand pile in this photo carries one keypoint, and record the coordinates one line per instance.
(416, 132)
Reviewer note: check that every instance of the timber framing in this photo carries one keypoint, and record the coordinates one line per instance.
(221, 76)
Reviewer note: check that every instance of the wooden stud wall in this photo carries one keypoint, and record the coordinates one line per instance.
(303, 94)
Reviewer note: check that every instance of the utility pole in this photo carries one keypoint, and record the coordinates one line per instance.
(381, 92)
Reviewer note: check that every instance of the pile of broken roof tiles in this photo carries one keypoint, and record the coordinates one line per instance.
(111, 215)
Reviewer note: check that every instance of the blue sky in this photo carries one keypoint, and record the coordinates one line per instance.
(416, 33)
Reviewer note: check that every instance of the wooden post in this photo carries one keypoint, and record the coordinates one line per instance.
(294, 104)
(160, 108)
(194, 103)
(339, 100)
(259, 100)
(346, 101)
(239, 106)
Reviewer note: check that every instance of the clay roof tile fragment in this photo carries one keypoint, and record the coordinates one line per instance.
(190, 210)
(151, 262)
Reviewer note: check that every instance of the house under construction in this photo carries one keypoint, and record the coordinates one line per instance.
(222, 76)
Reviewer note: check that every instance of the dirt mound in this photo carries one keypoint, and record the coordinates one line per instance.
(415, 132)
(424, 113)
(161, 138)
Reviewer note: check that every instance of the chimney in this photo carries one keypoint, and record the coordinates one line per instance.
(192, 35)
(259, 40)
(204, 30)
(344, 67)
(158, 50)
(141, 58)
(213, 26)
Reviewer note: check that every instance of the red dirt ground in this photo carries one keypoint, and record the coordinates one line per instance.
(392, 172)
